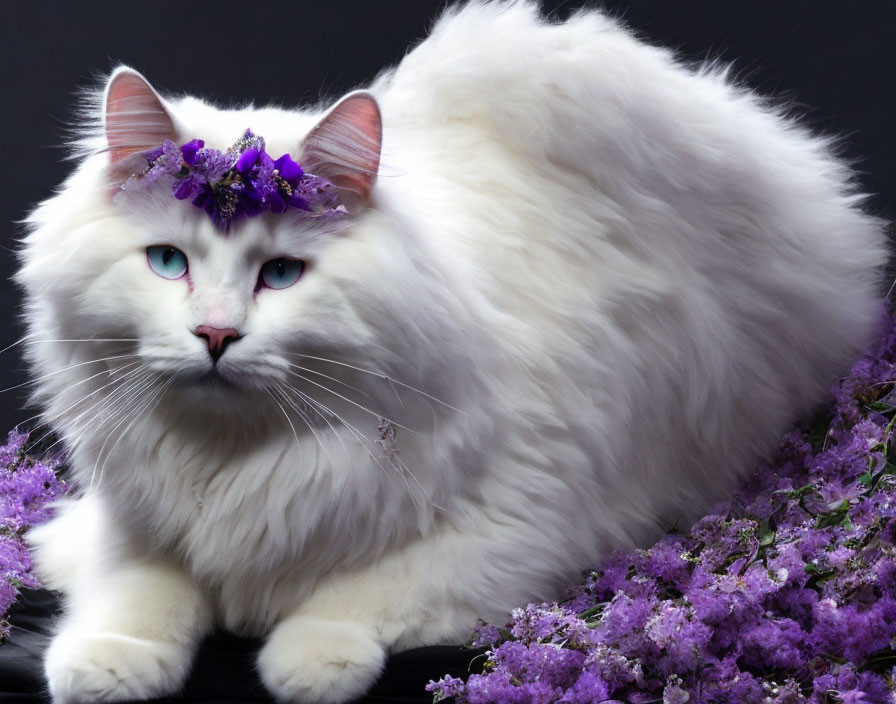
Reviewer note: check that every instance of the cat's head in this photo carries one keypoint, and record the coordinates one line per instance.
(217, 310)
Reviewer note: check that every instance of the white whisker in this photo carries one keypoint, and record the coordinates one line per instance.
(133, 402)
(358, 436)
(354, 403)
(307, 422)
(362, 440)
(96, 409)
(331, 378)
(123, 400)
(46, 376)
(27, 339)
(131, 377)
(18, 342)
(83, 398)
(382, 376)
(306, 398)
(145, 409)
(117, 396)
(286, 415)
(83, 339)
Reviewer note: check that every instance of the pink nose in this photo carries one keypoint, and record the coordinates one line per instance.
(217, 338)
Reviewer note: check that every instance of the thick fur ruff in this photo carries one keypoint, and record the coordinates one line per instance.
(591, 289)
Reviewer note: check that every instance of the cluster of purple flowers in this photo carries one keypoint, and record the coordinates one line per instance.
(243, 181)
(785, 594)
(28, 485)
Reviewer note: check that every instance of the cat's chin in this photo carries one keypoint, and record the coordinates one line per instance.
(217, 386)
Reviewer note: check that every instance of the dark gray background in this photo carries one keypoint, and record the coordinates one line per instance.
(834, 59)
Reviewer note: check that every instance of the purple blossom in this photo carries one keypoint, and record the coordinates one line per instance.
(212, 164)
(248, 159)
(289, 170)
(15, 441)
(190, 150)
(674, 693)
(28, 486)
(588, 687)
(446, 688)
(187, 187)
(485, 634)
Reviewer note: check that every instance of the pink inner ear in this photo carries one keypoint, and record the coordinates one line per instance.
(345, 145)
(135, 120)
(363, 114)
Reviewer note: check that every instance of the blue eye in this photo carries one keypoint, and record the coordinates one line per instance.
(168, 262)
(280, 273)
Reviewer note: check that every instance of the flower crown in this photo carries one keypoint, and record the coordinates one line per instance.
(243, 181)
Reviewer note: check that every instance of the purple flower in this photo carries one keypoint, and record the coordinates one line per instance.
(171, 159)
(28, 486)
(446, 688)
(190, 150)
(588, 687)
(674, 693)
(15, 441)
(248, 159)
(212, 165)
(485, 634)
(187, 187)
(289, 170)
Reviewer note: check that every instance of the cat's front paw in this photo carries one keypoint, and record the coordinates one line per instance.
(315, 661)
(108, 667)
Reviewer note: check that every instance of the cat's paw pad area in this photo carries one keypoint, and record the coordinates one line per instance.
(108, 667)
(320, 661)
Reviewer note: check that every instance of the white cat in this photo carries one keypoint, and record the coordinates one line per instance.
(587, 289)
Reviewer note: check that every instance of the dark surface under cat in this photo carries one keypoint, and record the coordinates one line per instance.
(224, 670)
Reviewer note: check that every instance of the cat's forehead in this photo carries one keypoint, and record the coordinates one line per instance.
(283, 130)
(286, 233)
(162, 218)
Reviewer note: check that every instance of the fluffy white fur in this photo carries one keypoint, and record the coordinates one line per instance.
(591, 288)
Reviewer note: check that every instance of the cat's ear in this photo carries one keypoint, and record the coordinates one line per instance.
(135, 118)
(344, 147)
